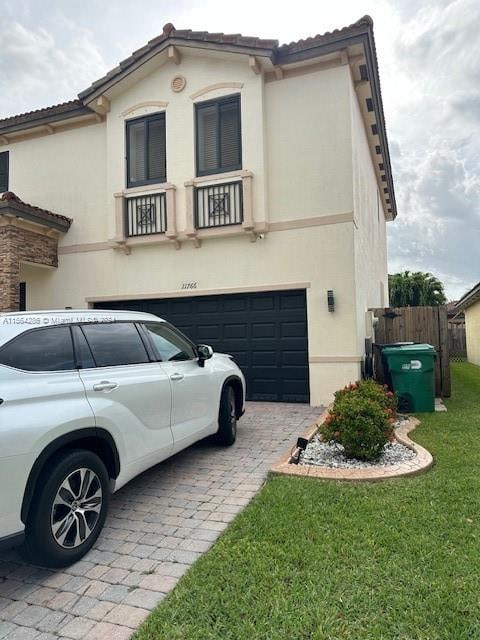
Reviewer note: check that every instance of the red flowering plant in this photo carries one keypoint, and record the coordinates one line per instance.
(361, 419)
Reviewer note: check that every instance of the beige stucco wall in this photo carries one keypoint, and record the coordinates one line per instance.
(472, 326)
(309, 145)
(65, 173)
(370, 244)
(302, 140)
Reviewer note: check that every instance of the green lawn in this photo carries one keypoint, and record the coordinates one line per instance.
(315, 560)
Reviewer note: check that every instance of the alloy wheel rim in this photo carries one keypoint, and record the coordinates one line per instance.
(76, 508)
(233, 416)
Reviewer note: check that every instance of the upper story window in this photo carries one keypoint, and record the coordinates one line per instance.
(219, 141)
(146, 150)
(3, 171)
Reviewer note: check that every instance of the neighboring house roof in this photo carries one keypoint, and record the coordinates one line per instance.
(360, 32)
(453, 314)
(62, 111)
(11, 204)
(469, 298)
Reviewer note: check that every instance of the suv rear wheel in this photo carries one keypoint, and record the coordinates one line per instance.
(68, 510)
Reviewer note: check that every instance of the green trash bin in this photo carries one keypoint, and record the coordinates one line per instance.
(412, 371)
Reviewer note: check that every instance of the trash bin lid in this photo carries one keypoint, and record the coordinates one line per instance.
(410, 349)
(394, 344)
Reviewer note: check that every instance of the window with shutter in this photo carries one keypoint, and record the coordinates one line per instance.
(218, 144)
(3, 171)
(146, 150)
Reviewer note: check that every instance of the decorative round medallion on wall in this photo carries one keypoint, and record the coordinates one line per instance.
(178, 83)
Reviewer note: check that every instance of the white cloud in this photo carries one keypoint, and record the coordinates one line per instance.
(436, 155)
(34, 70)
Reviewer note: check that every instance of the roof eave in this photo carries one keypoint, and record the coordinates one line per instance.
(471, 297)
(44, 219)
(46, 119)
(104, 84)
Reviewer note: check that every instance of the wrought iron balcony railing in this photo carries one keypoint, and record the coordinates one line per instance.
(145, 214)
(218, 205)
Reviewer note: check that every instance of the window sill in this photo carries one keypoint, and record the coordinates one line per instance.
(219, 177)
(145, 189)
(229, 231)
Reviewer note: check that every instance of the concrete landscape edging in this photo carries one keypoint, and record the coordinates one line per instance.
(422, 461)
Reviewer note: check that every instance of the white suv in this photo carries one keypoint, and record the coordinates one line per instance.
(88, 400)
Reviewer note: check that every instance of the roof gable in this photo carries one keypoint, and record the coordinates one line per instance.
(92, 103)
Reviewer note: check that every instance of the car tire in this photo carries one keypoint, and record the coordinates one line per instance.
(68, 509)
(227, 418)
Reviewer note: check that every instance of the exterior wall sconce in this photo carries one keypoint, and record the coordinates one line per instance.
(330, 300)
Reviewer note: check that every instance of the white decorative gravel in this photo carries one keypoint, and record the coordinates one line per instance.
(322, 454)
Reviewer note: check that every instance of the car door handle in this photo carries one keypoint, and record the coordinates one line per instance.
(105, 385)
(176, 376)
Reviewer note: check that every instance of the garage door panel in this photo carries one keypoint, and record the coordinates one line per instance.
(237, 303)
(263, 303)
(209, 332)
(293, 330)
(292, 301)
(233, 331)
(206, 305)
(264, 358)
(293, 358)
(266, 333)
(263, 330)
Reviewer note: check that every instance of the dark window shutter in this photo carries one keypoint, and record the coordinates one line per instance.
(136, 152)
(230, 134)
(156, 149)
(146, 150)
(219, 146)
(3, 171)
(207, 135)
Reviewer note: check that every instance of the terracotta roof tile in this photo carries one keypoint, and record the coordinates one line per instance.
(10, 200)
(306, 43)
(63, 108)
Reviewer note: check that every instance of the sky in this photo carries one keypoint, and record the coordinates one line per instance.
(429, 58)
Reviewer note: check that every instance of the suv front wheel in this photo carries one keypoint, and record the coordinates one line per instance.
(227, 418)
(68, 509)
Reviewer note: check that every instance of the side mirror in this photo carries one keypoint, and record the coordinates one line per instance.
(205, 352)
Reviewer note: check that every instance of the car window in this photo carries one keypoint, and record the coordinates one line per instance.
(170, 345)
(115, 344)
(48, 349)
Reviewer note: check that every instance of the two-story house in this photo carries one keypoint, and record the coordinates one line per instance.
(236, 187)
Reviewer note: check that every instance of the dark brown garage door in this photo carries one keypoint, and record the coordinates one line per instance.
(266, 333)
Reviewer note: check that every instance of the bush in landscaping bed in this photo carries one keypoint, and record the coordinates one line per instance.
(361, 420)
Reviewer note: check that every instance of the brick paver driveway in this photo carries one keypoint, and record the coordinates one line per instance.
(159, 524)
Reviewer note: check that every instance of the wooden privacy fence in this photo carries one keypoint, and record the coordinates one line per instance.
(457, 341)
(416, 324)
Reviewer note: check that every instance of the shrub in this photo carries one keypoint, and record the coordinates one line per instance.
(361, 420)
(372, 391)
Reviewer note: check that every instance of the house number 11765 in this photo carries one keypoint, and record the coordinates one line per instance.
(189, 285)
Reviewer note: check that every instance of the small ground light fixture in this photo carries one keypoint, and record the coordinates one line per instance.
(297, 449)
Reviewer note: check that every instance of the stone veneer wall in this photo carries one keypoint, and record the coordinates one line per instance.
(19, 245)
